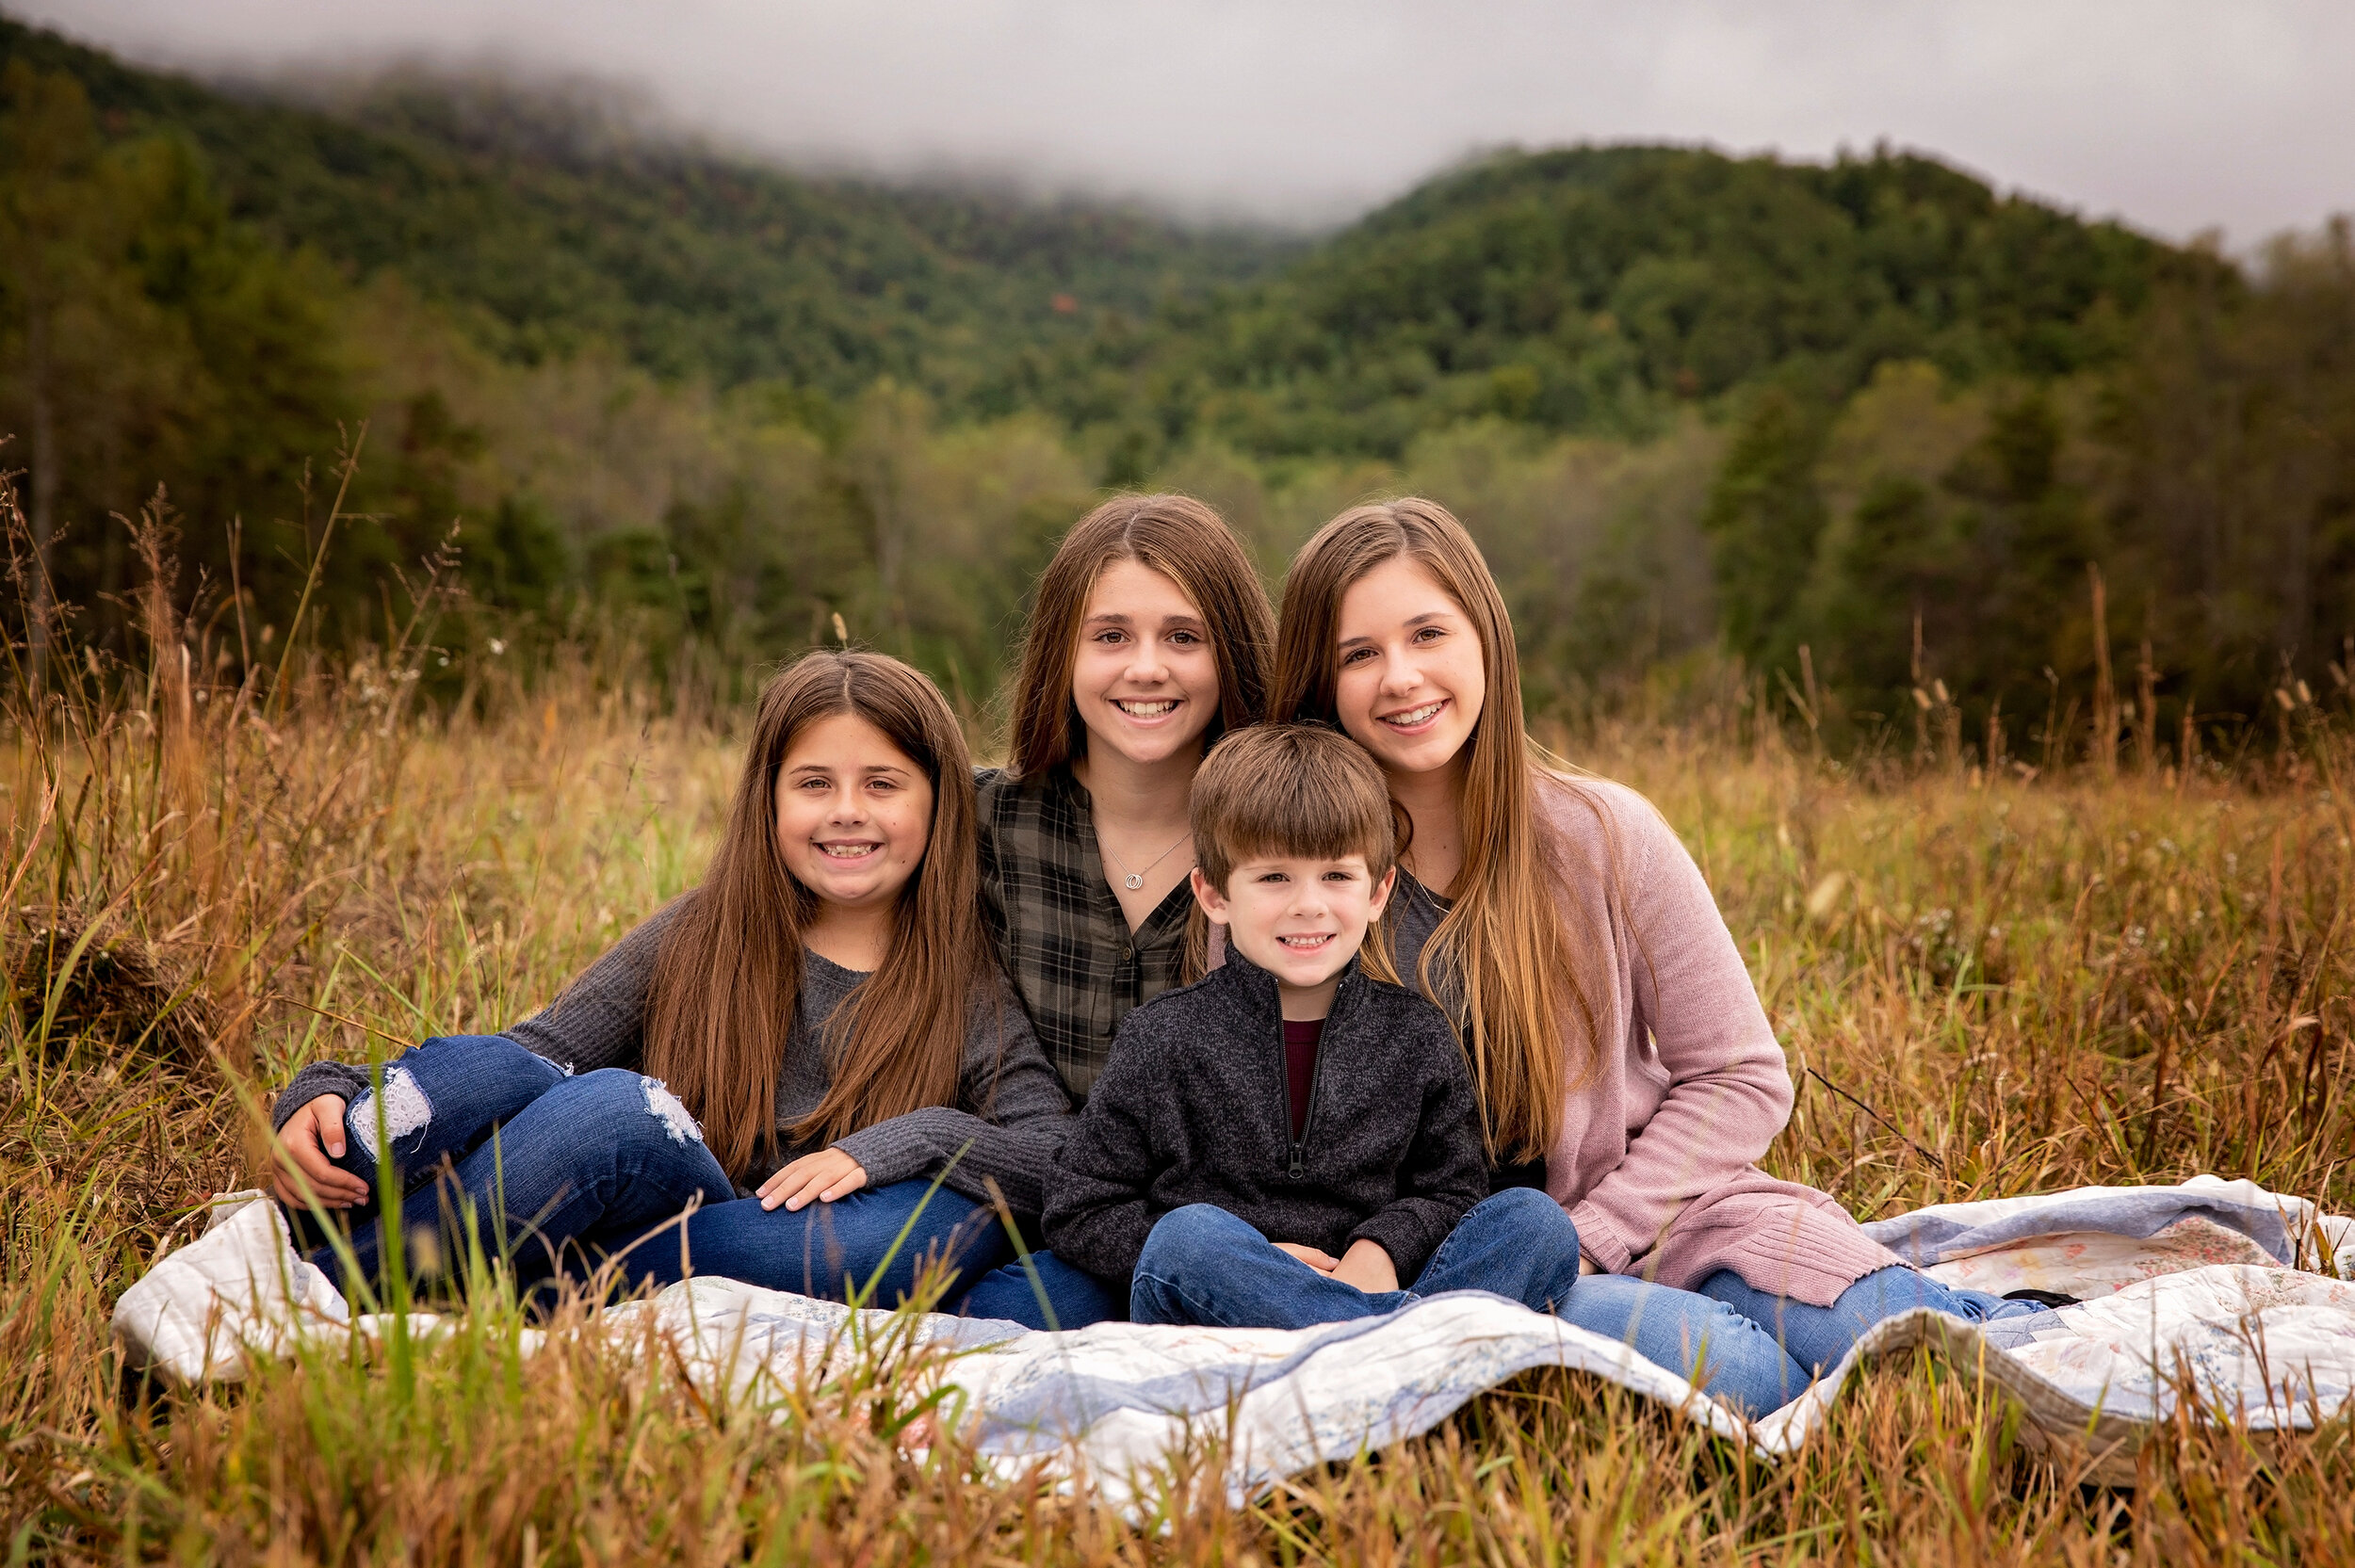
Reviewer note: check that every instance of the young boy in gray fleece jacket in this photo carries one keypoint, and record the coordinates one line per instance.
(1292, 1141)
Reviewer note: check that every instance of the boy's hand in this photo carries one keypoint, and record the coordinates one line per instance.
(1323, 1262)
(1367, 1267)
(820, 1177)
(312, 1135)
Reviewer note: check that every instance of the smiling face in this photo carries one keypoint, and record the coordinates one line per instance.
(1145, 681)
(1410, 682)
(1301, 918)
(853, 813)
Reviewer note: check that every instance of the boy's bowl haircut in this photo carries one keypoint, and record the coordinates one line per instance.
(1291, 789)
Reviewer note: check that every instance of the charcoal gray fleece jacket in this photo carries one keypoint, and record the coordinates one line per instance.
(1192, 1108)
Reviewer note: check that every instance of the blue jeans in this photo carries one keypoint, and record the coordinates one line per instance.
(1715, 1348)
(1073, 1297)
(1202, 1265)
(1753, 1350)
(561, 1174)
(1817, 1337)
(557, 1173)
(853, 1247)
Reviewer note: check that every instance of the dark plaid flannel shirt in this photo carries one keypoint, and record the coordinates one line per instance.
(1060, 933)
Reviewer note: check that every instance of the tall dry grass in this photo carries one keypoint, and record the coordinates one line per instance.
(1986, 987)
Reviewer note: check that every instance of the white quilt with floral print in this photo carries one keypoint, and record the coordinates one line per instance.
(2241, 1291)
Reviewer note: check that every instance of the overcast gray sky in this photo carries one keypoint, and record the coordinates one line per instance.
(2176, 114)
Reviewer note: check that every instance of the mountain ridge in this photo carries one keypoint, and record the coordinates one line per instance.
(1588, 287)
(691, 259)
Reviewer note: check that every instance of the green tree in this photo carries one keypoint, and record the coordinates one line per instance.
(90, 367)
(147, 341)
(1763, 519)
(1893, 569)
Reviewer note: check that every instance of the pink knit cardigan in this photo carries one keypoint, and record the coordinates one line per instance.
(1656, 1161)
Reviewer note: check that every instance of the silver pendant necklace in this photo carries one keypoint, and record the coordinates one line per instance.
(1136, 880)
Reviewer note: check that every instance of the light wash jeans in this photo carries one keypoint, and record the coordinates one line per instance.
(1754, 1350)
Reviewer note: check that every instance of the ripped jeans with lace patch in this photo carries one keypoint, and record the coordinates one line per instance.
(557, 1173)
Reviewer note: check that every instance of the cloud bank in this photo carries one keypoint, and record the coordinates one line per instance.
(2175, 115)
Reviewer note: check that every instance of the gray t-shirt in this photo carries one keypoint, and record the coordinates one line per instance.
(1011, 1113)
(1415, 913)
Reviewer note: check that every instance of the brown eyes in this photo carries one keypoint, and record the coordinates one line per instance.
(1189, 639)
(1421, 634)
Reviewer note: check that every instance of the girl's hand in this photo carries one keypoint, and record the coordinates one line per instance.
(820, 1177)
(1367, 1267)
(1323, 1262)
(312, 1135)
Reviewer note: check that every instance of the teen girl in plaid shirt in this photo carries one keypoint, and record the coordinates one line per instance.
(1150, 639)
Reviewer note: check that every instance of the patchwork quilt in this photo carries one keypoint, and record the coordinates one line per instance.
(2243, 1292)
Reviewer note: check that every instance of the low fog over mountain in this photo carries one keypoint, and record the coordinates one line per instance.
(2176, 114)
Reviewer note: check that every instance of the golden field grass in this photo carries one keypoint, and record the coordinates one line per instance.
(1985, 989)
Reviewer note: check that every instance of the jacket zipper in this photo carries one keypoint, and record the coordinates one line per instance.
(1316, 1075)
(1307, 1117)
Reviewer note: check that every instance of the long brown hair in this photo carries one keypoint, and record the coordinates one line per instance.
(1515, 962)
(729, 975)
(1185, 541)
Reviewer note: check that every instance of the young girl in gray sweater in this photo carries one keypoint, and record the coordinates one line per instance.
(763, 1080)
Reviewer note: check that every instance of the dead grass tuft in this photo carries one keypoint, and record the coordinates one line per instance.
(77, 979)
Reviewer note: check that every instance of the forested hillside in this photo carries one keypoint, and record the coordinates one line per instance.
(548, 224)
(1596, 289)
(1857, 431)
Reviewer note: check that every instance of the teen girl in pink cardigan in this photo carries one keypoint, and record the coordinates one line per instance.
(1537, 907)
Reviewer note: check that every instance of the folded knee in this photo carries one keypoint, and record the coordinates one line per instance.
(629, 1105)
(670, 1112)
(625, 1122)
(1189, 1231)
(1530, 1205)
(1533, 1227)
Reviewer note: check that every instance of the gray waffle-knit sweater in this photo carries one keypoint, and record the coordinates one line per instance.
(1010, 1116)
